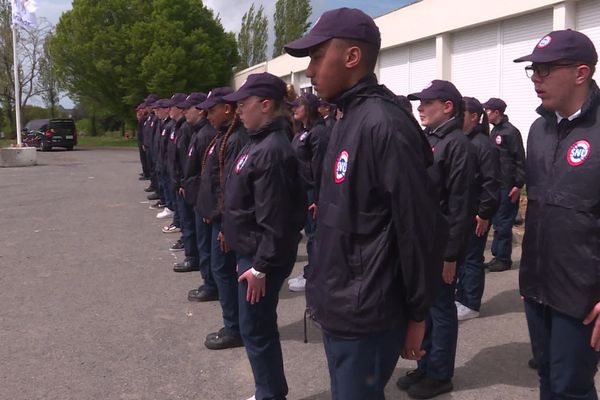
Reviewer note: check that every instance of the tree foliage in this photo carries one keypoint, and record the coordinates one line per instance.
(290, 22)
(110, 54)
(252, 38)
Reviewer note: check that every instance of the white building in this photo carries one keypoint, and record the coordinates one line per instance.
(471, 42)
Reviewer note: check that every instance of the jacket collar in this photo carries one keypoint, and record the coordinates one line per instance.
(450, 125)
(475, 131)
(363, 87)
(277, 124)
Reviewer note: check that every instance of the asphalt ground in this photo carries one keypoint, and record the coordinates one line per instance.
(91, 309)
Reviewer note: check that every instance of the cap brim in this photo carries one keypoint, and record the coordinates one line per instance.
(301, 47)
(537, 58)
(205, 105)
(414, 96)
(237, 96)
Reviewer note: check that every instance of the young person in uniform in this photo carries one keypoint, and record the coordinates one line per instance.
(183, 136)
(141, 114)
(265, 209)
(380, 237)
(509, 143)
(560, 265)
(219, 157)
(471, 272)
(202, 135)
(162, 119)
(441, 112)
(306, 142)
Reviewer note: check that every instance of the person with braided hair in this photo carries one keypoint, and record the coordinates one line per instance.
(218, 159)
(264, 211)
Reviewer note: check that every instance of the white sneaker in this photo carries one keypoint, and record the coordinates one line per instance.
(252, 398)
(463, 312)
(298, 285)
(166, 213)
(301, 276)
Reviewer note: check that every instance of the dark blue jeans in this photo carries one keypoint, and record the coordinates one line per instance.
(258, 326)
(503, 222)
(567, 363)
(360, 367)
(441, 334)
(188, 229)
(170, 198)
(203, 244)
(222, 266)
(471, 273)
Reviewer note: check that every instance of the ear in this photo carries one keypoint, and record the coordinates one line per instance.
(582, 74)
(448, 107)
(353, 57)
(228, 108)
(266, 105)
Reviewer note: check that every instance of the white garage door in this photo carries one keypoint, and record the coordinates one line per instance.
(587, 20)
(518, 38)
(409, 68)
(474, 61)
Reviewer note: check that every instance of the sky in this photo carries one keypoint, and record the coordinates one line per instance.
(231, 12)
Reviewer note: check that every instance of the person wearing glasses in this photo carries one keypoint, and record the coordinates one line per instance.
(264, 211)
(509, 143)
(560, 267)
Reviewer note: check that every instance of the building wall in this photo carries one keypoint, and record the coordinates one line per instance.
(475, 48)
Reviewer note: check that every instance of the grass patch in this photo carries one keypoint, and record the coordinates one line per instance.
(105, 141)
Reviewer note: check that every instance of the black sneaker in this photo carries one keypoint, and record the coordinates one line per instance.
(487, 264)
(185, 266)
(220, 341)
(177, 246)
(202, 295)
(153, 196)
(498, 266)
(428, 387)
(150, 189)
(156, 206)
(411, 377)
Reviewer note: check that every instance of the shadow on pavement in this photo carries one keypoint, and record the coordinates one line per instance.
(505, 364)
(320, 396)
(295, 331)
(503, 303)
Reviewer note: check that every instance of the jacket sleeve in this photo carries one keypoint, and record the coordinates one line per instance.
(518, 153)
(274, 209)
(489, 170)
(458, 182)
(420, 229)
(318, 144)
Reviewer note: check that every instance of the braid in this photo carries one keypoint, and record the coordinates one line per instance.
(212, 143)
(222, 151)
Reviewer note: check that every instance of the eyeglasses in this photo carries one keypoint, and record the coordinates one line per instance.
(543, 70)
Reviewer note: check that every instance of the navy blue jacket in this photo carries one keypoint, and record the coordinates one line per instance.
(560, 265)
(381, 234)
(265, 199)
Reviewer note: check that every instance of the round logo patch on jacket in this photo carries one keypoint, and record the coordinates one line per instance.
(304, 136)
(241, 162)
(498, 140)
(212, 148)
(190, 152)
(578, 152)
(173, 135)
(341, 167)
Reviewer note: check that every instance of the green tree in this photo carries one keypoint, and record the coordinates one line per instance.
(109, 54)
(48, 83)
(252, 38)
(290, 22)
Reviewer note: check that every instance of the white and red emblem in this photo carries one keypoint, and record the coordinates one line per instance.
(303, 136)
(341, 167)
(212, 148)
(498, 140)
(190, 152)
(544, 42)
(241, 162)
(163, 133)
(173, 135)
(578, 152)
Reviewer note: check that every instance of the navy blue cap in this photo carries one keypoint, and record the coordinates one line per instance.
(342, 23)
(438, 90)
(192, 100)
(151, 98)
(563, 45)
(307, 98)
(323, 103)
(162, 103)
(141, 106)
(262, 85)
(215, 97)
(495, 103)
(473, 105)
(176, 99)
